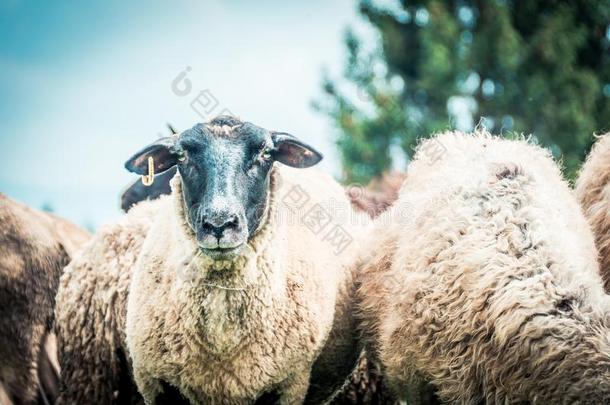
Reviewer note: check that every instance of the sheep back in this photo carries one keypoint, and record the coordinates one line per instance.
(481, 282)
(593, 193)
(34, 248)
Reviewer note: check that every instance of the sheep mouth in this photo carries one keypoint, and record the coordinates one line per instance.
(219, 253)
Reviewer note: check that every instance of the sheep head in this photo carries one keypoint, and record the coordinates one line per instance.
(225, 168)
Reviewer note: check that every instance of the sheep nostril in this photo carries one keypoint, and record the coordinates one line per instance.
(218, 228)
(232, 223)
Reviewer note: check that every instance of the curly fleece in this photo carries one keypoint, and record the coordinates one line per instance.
(593, 193)
(482, 284)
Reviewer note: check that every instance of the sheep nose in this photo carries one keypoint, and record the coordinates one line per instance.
(217, 225)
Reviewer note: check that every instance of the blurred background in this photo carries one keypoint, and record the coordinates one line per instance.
(87, 83)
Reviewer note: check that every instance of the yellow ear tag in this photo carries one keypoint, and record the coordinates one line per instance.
(148, 179)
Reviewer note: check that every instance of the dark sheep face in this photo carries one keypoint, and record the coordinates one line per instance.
(225, 168)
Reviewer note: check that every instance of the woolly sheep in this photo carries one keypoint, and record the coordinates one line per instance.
(34, 247)
(482, 283)
(593, 193)
(170, 292)
(365, 383)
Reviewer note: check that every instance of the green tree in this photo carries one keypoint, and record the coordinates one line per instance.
(539, 67)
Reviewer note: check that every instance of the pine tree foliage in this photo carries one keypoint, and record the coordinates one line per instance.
(539, 67)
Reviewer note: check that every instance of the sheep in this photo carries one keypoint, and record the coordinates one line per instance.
(593, 194)
(365, 382)
(224, 291)
(481, 282)
(34, 247)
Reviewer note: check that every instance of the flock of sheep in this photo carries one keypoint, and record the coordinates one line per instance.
(243, 277)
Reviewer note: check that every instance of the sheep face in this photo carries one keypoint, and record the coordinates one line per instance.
(225, 168)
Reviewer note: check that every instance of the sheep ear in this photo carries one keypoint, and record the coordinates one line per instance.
(164, 156)
(293, 152)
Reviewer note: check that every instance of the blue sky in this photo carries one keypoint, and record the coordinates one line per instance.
(87, 83)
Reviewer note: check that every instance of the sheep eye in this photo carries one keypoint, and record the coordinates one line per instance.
(262, 158)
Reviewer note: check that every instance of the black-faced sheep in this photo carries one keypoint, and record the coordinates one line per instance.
(224, 291)
(482, 284)
(365, 383)
(34, 248)
(593, 193)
